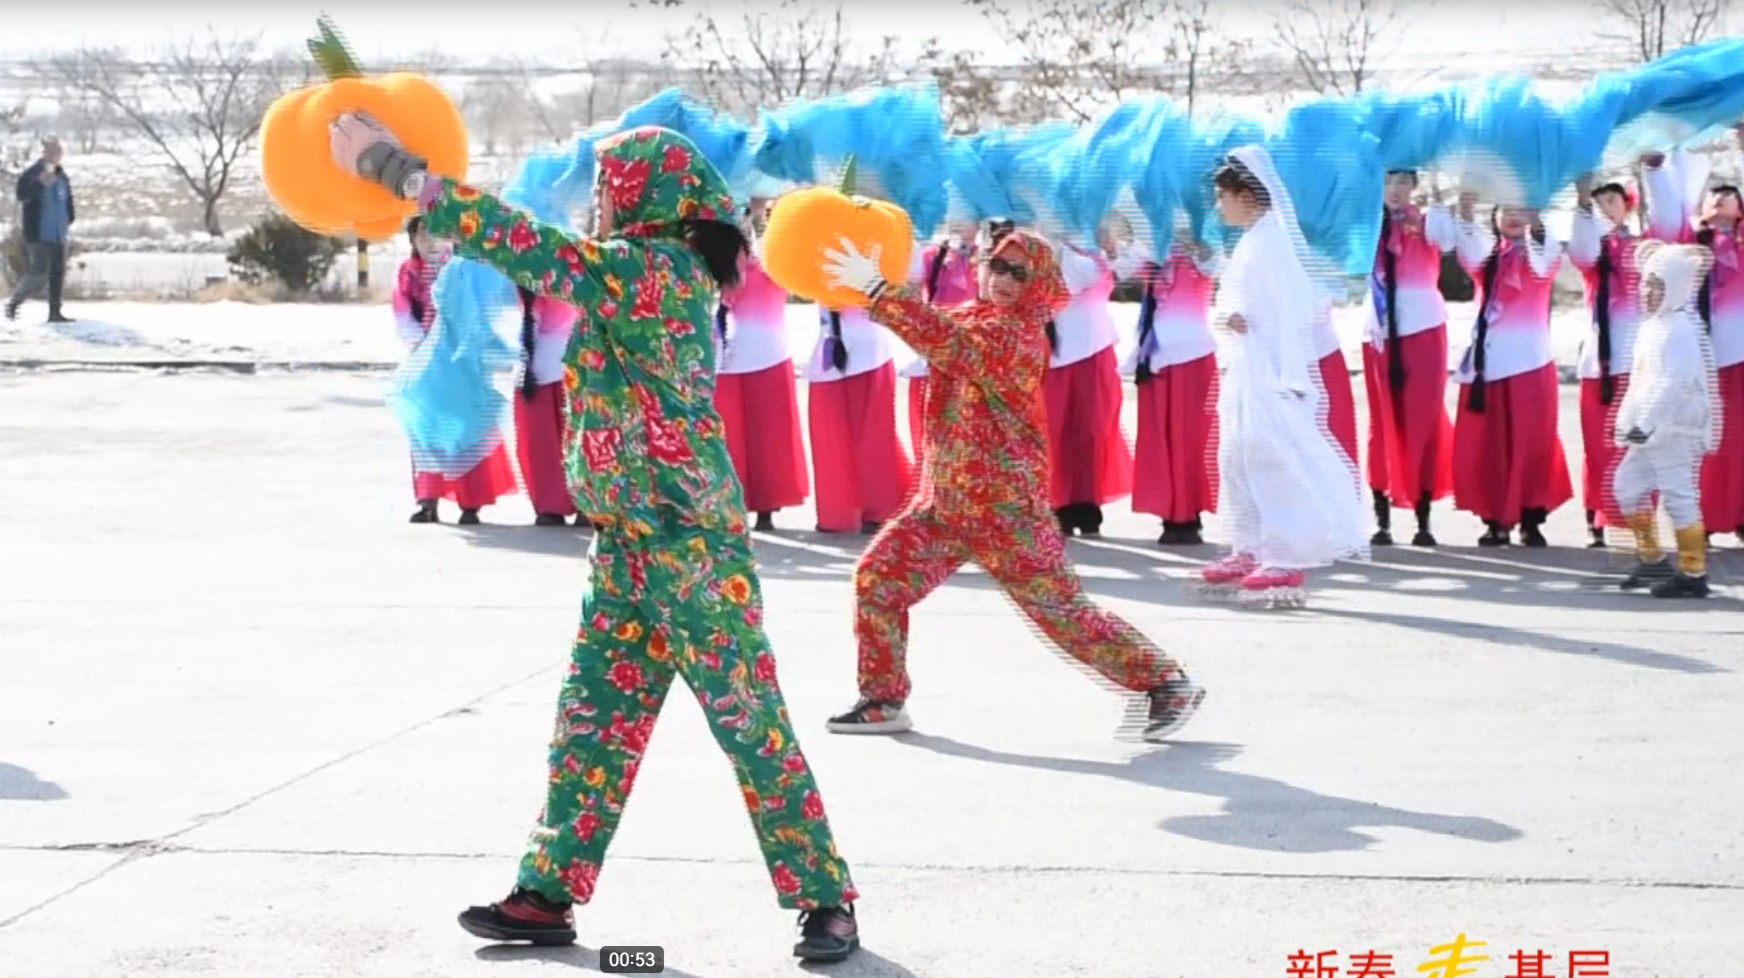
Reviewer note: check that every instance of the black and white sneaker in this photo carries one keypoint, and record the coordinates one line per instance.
(872, 717)
(1172, 705)
(827, 934)
(1647, 575)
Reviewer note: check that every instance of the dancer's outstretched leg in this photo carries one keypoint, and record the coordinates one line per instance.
(911, 556)
(1022, 550)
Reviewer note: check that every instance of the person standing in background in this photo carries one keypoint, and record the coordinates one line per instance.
(47, 196)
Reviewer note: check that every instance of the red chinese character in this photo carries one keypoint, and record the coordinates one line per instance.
(1305, 965)
(1589, 964)
(1371, 965)
(1529, 964)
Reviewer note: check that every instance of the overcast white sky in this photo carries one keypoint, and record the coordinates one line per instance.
(1438, 29)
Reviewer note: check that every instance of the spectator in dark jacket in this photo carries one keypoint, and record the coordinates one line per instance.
(47, 196)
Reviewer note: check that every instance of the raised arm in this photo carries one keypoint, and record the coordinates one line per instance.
(1439, 227)
(1585, 239)
(941, 338)
(621, 283)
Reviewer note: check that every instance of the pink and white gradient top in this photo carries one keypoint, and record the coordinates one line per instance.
(1518, 340)
(1418, 240)
(555, 322)
(958, 283)
(1676, 192)
(756, 322)
(1085, 327)
(1590, 237)
(1183, 287)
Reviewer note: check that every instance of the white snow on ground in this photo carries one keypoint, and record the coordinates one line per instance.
(352, 333)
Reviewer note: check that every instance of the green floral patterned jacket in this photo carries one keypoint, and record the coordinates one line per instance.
(645, 444)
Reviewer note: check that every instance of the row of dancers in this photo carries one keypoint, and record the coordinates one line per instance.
(1499, 457)
(674, 590)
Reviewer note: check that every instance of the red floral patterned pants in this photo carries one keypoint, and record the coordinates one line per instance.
(1020, 547)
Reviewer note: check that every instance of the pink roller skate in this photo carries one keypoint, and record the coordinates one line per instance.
(1223, 578)
(1272, 587)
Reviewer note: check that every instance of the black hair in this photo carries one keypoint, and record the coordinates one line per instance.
(529, 330)
(1235, 177)
(1705, 238)
(413, 225)
(1611, 188)
(720, 244)
(1390, 287)
(1405, 173)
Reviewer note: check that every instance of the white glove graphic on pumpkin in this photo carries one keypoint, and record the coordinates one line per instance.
(849, 269)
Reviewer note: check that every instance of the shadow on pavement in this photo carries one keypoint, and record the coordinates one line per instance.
(1259, 813)
(21, 784)
(864, 964)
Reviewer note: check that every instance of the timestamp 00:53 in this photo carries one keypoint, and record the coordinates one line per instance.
(645, 959)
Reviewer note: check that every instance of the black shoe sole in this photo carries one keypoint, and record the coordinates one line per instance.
(816, 954)
(539, 937)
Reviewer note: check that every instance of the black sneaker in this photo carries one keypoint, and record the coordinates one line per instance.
(549, 519)
(469, 517)
(426, 514)
(1647, 575)
(1423, 538)
(1682, 586)
(524, 916)
(827, 934)
(872, 717)
(11, 311)
(1382, 538)
(1532, 536)
(1495, 536)
(765, 523)
(1172, 705)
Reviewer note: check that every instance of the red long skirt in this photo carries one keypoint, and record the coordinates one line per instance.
(1410, 434)
(539, 429)
(1340, 402)
(489, 481)
(1509, 458)
(761, 413)
(863, 472)
(917, 389)
(1599, 451)
(1723, 471)
(1089, 456)
(1175, 465)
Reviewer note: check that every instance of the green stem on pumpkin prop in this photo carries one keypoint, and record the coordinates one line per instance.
(331, 53)
(849, 173)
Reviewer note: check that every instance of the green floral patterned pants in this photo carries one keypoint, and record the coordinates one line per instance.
(686, 604)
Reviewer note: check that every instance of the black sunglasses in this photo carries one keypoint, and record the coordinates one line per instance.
(999, 266)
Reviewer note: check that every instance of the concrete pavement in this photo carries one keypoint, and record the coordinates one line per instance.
(253, 723)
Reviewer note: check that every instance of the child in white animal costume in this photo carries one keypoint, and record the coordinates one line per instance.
(1669, 419)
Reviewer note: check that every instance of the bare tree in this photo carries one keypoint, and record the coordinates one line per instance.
(1655, 28)
(604, 81)
(494, 104)
(799, 50)
(83, 117)
(969, 93)
(198, 103)
(1079, 55)
(1336, 45)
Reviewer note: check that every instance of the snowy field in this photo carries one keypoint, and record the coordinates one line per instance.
(353, 333)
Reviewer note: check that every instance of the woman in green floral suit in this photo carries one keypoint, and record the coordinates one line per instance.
(674, 589)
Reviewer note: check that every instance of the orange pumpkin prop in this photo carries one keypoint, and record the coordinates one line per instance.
(806, 223)
(297, 161)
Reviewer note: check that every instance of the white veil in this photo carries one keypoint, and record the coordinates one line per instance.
(1294, 495)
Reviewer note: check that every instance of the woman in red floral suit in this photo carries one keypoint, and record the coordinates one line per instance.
(984, 493)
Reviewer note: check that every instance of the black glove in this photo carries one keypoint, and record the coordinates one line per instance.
(389, 166)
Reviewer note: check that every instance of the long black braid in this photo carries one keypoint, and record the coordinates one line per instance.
(529, 332)
(1705, 294)
(1602, 316)
(838, 349)
(1390, 272)
(1147, 325)
(1476, 399)
(935, 271)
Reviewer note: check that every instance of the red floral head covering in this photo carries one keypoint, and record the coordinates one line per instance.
(656, 177)
(1045, 292)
